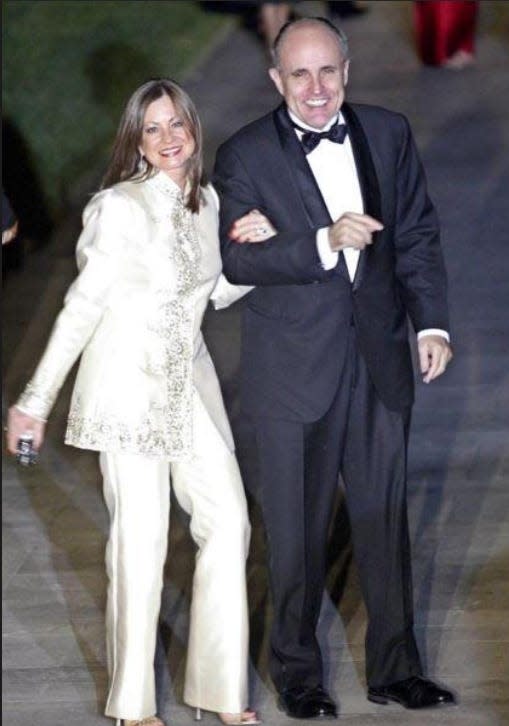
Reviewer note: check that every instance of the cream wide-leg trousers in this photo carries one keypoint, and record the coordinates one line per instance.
(137, 493)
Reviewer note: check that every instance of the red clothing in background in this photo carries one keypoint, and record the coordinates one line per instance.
(443, 27)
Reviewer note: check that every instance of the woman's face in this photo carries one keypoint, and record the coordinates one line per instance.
(166, 143)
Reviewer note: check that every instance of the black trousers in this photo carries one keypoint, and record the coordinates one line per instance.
(300, 464)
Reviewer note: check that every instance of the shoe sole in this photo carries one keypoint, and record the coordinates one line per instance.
(320, 717)
(385, 700)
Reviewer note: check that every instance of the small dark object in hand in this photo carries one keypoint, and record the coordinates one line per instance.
(26, 454)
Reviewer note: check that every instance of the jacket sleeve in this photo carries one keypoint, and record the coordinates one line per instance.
(288, 258)
(106, 221)
(420, 268)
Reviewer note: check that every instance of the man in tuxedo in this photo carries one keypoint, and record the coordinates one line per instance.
(326, 372)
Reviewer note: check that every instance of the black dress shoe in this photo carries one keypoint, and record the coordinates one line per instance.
(307, 702)
(414, 692)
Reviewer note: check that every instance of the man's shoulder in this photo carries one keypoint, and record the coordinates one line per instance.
(383, 128)
(369, 112)
(252, 132)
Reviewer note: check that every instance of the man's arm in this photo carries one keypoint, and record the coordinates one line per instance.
(420, 267)
(288, 258)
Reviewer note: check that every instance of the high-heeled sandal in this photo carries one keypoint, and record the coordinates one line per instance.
(247, 718)
(148, 721)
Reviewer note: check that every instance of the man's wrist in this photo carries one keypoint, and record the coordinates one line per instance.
(434, 331)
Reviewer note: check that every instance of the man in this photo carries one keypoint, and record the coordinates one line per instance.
(326, 369)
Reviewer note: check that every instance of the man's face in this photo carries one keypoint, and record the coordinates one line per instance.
(312, 74)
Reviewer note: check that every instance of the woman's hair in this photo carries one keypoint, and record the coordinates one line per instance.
(126, 160)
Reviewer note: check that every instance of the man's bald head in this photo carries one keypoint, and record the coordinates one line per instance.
(311, 70)
(302, 23)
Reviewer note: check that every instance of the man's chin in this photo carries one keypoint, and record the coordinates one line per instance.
(319, 118)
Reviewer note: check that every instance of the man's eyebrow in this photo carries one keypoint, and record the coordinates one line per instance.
(334, 66)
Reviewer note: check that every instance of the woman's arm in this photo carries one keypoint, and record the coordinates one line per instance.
(107, 221)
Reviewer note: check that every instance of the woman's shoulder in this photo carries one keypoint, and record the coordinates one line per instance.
(120, 199)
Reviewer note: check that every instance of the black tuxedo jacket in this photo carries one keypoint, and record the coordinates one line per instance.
(295, 323)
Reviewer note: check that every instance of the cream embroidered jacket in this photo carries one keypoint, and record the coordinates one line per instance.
(147, 267)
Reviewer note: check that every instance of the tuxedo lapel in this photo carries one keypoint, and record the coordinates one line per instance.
(309, 192)
(368, 181)
(311, 197)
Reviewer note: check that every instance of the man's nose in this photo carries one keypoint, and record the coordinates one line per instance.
(316, 85)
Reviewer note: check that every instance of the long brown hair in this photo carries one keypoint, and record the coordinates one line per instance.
(125, 162)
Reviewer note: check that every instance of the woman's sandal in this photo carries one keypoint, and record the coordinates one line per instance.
(247, 718)
(148, 721)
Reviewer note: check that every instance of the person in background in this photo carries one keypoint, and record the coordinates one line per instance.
(272, 16)
(345, 8)
(445, 32)
(147, 399)
(326, 370)
(9, 221)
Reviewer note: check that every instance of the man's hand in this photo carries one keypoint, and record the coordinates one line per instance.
(252, 227)
(353, 230)
(434, 356)
(19, 423)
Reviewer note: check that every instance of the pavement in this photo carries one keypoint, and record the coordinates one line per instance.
(54, 521)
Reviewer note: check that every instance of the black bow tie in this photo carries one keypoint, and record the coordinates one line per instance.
(311, 139)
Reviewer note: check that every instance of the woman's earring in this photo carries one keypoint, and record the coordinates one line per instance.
(142, 164)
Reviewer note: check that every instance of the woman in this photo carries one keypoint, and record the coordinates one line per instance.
(147, 398)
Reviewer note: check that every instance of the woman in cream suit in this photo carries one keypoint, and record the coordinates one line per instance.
(147, 398)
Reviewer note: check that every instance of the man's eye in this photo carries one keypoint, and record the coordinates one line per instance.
(299, 74)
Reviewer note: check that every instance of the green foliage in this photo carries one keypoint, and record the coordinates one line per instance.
(70, 65)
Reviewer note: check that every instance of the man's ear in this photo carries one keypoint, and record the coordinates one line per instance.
(346, 69)
(276, 79)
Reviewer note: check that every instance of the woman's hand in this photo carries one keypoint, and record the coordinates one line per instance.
(252, 227)
(18, 424)
(10, 233)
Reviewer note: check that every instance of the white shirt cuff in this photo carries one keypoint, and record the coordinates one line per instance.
(329, 259)
(434, 331)
(224, 293)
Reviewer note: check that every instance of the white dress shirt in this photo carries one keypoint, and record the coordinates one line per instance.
(333, 167)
